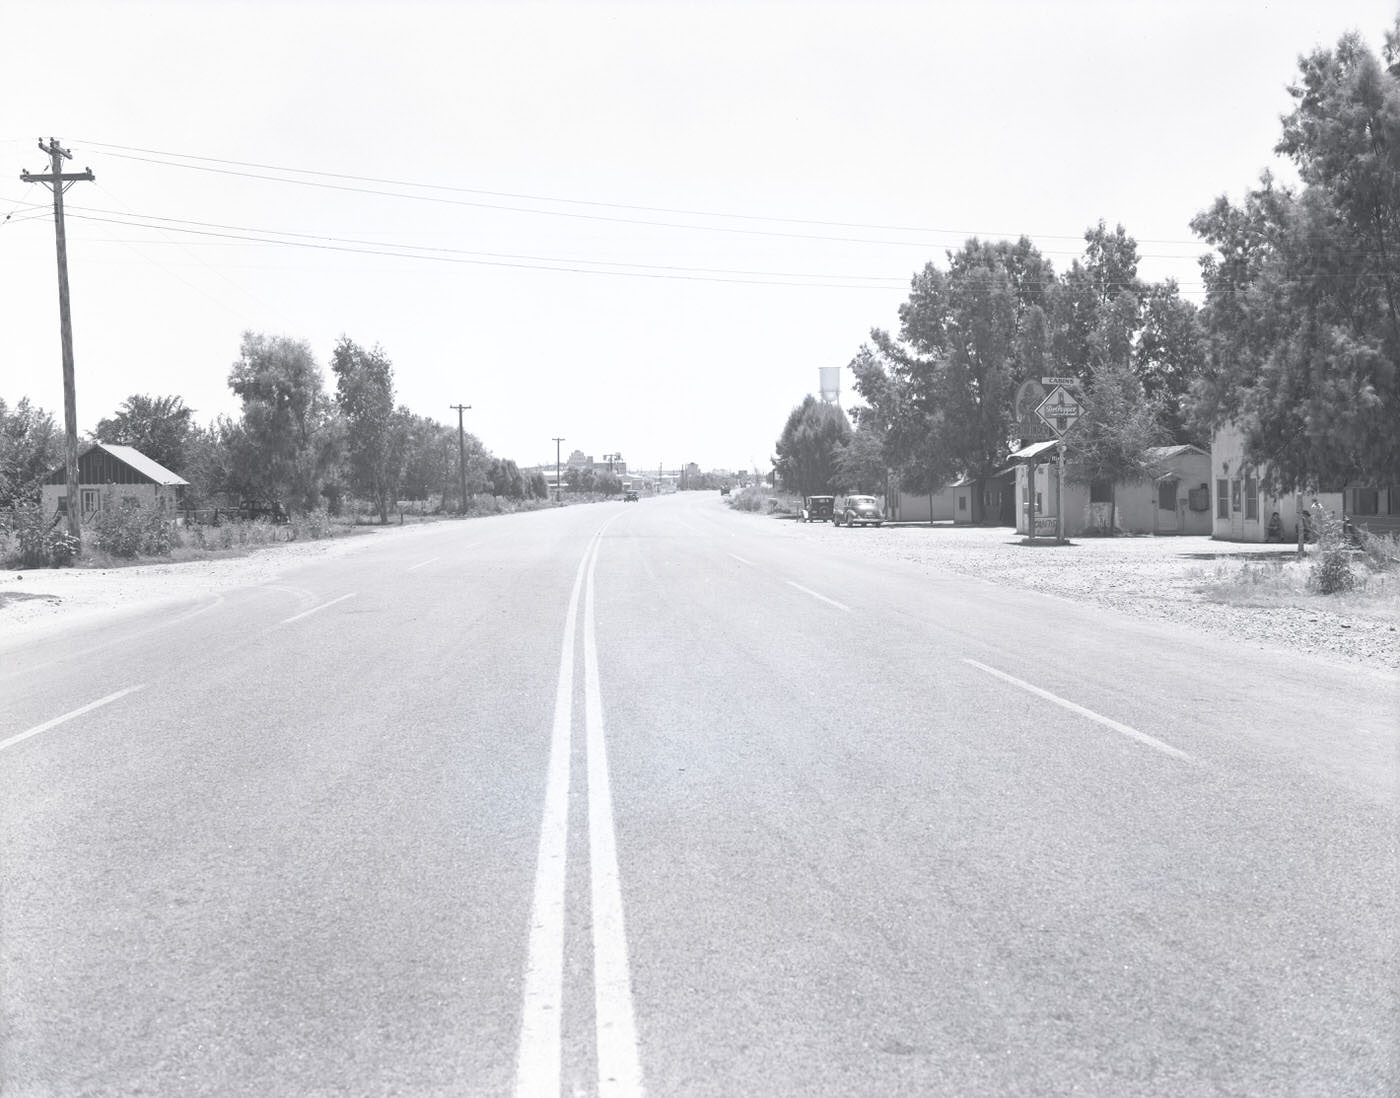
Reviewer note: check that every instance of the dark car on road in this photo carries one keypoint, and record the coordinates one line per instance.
(629, 497)
(858, 511)
(816, 509)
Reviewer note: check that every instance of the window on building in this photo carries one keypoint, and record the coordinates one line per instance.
(1222, 498)
(1365, 501)
(1101, 491)
(1235, 494)
(1166, 495)
(1251, 498)
(962, 503)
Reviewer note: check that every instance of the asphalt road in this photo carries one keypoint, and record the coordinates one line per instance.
(660, 798)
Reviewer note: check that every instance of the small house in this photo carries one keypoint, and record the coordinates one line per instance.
(126, 471)
(902, 506)
(1241, 510)
(986, 501)
(1174, 497)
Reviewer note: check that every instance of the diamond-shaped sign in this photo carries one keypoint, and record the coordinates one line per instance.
(1059, 410)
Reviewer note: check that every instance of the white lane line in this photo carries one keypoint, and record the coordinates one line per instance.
(538, 1066)
(422, 564)
(741, 560)
(619, 1067)
(315, 609)
(1141, 737)
(815, 595)
(69, 716)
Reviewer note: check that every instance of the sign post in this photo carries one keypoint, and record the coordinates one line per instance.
(1059, 411)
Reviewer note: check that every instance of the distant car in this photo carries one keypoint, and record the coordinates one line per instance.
(858, 511)
(816, 509)
(724, 489)
(629, 497)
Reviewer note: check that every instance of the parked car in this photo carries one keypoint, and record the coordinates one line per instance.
(629, 497)
(858, 511)
(250, 510)
(816, 509)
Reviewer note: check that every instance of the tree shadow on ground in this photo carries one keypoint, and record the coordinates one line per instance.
(7, 597)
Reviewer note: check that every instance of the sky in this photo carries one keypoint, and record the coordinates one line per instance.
(641, 227)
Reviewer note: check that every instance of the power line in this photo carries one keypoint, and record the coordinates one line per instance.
(260, 169)
(409, 252)
(563, 201)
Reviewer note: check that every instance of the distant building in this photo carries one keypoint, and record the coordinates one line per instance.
(124, 470)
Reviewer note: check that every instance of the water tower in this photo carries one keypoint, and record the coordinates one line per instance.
(830, 384)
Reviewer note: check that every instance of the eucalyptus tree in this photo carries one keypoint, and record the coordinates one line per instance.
(1303, 286)
(807, 449)
(376, 435)
(288, 440)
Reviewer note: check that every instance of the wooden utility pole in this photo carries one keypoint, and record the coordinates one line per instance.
(558, 495)
(57, 181)
(461, 455)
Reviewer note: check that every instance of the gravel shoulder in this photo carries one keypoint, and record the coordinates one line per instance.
(1254, 593)
(35, 603)
(1189, 580)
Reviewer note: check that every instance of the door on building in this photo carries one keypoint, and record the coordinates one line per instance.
(1168, 518)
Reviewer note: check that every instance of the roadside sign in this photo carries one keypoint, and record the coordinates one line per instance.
(1060, 410)
(1071, 382)
(1029, 426)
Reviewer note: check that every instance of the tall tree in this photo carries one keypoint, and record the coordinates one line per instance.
(1168, 356)
(31, 448)
(860, 462)
(375, 434)
(966, 338)
(161, 427)
(808, 446)
(1120, 422)
(1303, 288)
(289, 442)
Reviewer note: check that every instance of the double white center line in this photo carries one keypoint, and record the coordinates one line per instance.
(539, 1065)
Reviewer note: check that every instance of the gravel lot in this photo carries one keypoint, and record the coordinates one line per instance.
(1191, 580)
(1171, 578)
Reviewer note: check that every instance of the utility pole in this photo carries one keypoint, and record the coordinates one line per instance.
(558, 496)
(461, 455)
(57, 180)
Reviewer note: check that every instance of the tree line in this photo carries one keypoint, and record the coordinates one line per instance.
(294, 442)
(1297, 342)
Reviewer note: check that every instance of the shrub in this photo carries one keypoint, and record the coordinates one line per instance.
(1381, 552)
(1331, 572)
(129, 530)
(752, 498)
(33, 541)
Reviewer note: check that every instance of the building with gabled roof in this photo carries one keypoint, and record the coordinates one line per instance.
(123, 473)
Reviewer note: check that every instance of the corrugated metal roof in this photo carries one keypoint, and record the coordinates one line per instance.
(1164, 453)
(1034, 450)
(142, 464)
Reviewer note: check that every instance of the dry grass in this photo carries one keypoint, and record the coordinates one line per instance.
(1283, 584)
